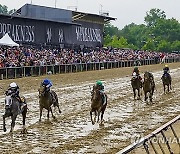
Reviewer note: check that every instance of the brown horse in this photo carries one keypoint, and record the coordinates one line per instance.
(12, 109)
(136, 85)
(46, 100)
(97, 105)
(148, 85)
(166, 79)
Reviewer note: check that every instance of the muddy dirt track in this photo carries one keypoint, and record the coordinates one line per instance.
(72, 131)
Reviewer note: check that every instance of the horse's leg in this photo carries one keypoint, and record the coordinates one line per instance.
(57, 104)
(134, 91)
(91, 117)
(13, 117)
(48, 114)
(138, 93)
(168, 87)
(98, 115)
(102, 113)
(95, 113)
(24, 118)
(150, 96)
(50, 109)
(40, 113)
(4, 123)
(58, 108)
(145, 96)
(164, 88)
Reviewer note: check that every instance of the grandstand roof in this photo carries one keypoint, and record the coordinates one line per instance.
(58, 15)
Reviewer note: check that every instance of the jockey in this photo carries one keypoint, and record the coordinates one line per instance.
(13, 90)
(136, 73)
(47, 83)
(166, 71)
(100, 86)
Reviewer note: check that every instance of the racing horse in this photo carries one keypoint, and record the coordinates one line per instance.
(12, 108)
(166, 79)
(148, 85)
(136, 85)
(98, 105)
(46, 100)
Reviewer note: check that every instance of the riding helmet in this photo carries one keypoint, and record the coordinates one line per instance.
(13, 85)
(46, 81)
(99, 83)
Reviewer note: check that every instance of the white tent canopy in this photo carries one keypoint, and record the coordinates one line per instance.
(6, 40)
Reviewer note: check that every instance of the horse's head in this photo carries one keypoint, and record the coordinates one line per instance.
(146, 76)
(8, 101)
(42, 90)
(95, 92)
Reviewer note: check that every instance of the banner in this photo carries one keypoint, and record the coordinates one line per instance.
(23, 30)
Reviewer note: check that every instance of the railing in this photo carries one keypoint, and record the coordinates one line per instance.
(17, 72)
(146, 141)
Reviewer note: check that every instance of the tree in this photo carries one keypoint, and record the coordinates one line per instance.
(149, 45)
(111, 30)
(3, 9)
(167, 29)
(153, 16)
(12, 11)
(175, 46)
(107, 40)
(164, 46)
(135, 34)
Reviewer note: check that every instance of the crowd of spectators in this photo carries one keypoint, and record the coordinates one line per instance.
(24, 56)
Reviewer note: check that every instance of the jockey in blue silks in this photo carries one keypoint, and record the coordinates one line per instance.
(47, 83)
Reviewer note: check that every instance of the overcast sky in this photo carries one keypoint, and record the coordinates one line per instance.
(126, 11)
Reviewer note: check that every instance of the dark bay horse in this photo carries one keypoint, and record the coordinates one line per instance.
(46, 100)
(97, 105)
(136, 85)
(148, 85)
(166, 79)
(12, 108)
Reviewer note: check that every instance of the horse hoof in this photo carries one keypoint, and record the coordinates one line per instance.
(24, 131)
(60, 111)
(54, 117)
(5, 129)
(101, 124)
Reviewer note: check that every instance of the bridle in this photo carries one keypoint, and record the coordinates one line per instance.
(42, 92)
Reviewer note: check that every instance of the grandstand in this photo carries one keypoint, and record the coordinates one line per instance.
(40, 25)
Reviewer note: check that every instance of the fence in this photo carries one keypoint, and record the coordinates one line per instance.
(149, 146)
(17, 72)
